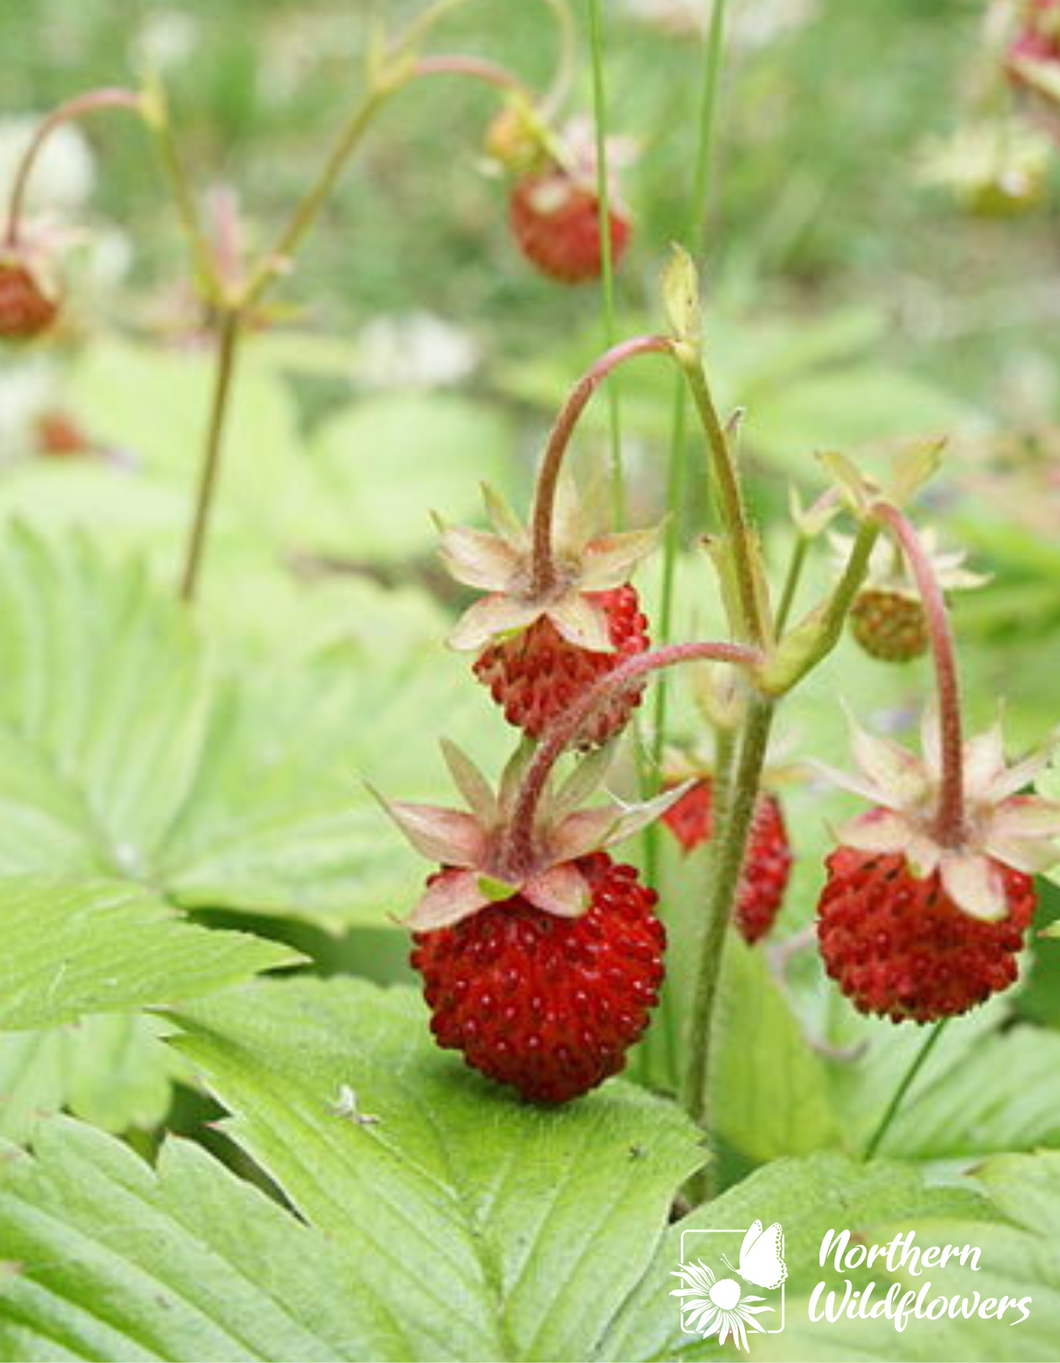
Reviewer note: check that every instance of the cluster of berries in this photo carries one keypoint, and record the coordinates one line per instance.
(540, 961)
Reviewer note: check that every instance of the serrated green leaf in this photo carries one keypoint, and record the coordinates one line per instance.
(110, 1069)
(118, 1261)
(71, 949)
(378, 470)
(125, 754)
(518, 1230)
(989, 1087)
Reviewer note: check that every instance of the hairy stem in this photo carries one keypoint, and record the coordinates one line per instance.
(543, 574)
(677, 471)
(731, 503)
(277, 260)
(228, 343)
(478, 68)
(565, 729)
(726, 866)
(903, 1088)
(824, 624)
(791, 581)
(949, 819)
(109, 97)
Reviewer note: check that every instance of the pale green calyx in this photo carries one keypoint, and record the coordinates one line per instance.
(500, 563)
(1002, 826)
(470, 845)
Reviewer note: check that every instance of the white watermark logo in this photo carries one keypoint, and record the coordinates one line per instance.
(739, 1299)
(715, 1304)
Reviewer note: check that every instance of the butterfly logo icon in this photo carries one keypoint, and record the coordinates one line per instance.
(761, 1256)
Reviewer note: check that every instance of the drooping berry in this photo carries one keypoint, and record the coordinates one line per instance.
(27, 307)
(889, 625)
(549, 1005)
(920, 922)
(898, 946)
(539, 647)
(768, 862)
(887, 618)
(556, 221)
(59, 436)
(537, 673)
(541, 957)
(1035, 48)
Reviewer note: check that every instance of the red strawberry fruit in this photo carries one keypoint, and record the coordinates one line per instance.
(541, 958)
(899, 946)
(549, 1005)
(915, 927)
(27, 307)
(555, 218)
(537, 673)
(767, 865)
(539, 648)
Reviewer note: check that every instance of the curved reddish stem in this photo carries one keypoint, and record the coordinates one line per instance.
(543, 574)
(478, 68)
(109, 97)
(949, 819)
(519, 850)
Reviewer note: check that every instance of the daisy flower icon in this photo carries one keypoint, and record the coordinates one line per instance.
(714, 1305)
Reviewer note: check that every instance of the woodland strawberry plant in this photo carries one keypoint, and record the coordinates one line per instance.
(311, 1051)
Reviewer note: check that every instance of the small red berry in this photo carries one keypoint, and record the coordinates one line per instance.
(58, 436)
(1038, 38)
(898, 945)
(536, 674)
(555, 219)
(547, 1004)
(26, 308)
(768, 862)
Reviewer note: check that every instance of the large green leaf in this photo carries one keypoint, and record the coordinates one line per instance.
(126, 753)
(110, 1069)
(71, 949)
(519, 1230)
(770, 1089)
(117, 1261)
(988, 1087)
(460, 1223)
(377, 470)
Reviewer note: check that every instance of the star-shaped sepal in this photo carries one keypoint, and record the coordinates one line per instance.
(501, 564)
(473, 846)
(1002, 825)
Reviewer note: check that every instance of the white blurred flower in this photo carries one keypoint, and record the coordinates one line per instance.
(166, 40)
(64, 174)
(750, 26)
(414, 349)
(27, 389)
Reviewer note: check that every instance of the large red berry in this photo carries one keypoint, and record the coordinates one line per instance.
(555, 219)
(26, 309)
(768, 862)
(536, 674)
(547, 1004)
(900, 947)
